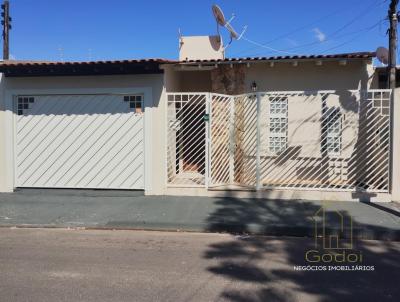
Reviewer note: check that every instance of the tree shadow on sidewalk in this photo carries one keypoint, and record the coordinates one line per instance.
(267, 263)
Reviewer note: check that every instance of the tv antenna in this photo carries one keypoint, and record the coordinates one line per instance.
(61, 53)
(221, 21)
(382, 54)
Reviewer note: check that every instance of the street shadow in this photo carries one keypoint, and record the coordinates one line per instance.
(265, 265)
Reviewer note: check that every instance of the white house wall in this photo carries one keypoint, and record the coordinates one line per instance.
(5, 176)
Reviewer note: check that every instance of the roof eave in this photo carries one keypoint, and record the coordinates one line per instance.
(361, 56)
(40, 69)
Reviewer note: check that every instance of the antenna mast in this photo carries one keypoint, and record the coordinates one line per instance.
(392, 43)
(6, 22)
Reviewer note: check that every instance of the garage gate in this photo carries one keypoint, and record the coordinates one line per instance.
(79, 141)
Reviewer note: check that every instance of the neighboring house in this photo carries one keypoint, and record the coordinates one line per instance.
(278, 127)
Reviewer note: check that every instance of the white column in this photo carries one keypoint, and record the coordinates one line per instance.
(258, 159)
(232, 143)
(207, 124)
(395, 146)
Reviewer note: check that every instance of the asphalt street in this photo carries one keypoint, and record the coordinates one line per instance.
(103, 265)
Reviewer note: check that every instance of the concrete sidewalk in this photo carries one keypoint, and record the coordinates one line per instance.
(132, 210)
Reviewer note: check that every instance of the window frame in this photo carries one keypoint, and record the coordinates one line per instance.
(133, 102)
(333, 135)
(278, 124)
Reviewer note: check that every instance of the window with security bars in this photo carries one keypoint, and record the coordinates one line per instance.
(278, 124)
(135, 102)
(334, 132)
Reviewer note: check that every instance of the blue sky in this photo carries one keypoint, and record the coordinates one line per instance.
(122, 29)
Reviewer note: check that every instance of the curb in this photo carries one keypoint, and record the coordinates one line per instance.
(370, 233)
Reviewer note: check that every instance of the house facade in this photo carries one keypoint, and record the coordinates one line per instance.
(278, 127)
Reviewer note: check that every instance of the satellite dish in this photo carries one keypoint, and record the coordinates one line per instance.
(382, 54)
(232, 32)
(219, 15)
(221, 21)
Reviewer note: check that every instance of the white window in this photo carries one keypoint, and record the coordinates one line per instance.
(334, 132)
(278, 124)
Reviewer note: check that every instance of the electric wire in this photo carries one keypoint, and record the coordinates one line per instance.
(360, 32)
(287, 34)
(329, 37)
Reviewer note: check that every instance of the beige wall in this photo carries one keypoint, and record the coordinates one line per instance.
(199, 81)
(282, 76)
(308, 76)
(187, 81)
(200, 48)
(155, 110)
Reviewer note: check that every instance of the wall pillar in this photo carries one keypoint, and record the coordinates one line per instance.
(6, 172)
(395, 151)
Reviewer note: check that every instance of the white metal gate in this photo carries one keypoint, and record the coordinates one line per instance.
(187, 135)
(335, 140)
(221, 149)
(80, 141)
